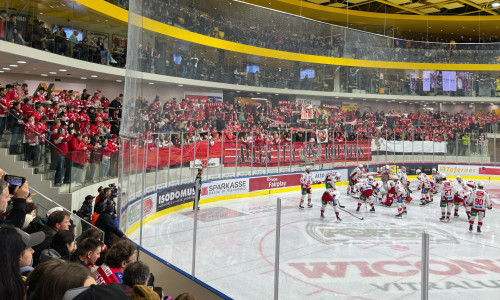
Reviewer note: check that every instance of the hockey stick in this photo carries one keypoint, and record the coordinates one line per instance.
(359, 218)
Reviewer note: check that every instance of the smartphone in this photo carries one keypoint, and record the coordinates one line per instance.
(14, 181)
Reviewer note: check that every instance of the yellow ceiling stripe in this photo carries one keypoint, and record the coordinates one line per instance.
(121, 14)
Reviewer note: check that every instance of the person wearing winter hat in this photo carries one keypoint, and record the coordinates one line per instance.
(142, 292)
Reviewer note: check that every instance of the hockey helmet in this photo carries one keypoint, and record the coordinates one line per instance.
(459, 179)
(308, 169)
(480, 184)
(360, 166)
(418, 172)
(443, 176)
(370, 178)
(471, 184)
(434, 171)
(403, 169)
(337, 175)
(395, 178)
(387, 167)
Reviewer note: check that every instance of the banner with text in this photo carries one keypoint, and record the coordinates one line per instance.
(409, 146)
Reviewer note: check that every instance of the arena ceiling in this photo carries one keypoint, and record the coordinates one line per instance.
(417, 7)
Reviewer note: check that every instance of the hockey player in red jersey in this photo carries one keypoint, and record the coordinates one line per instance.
(479, 201)
(305, 187)
(448, 192)
(366, 194)
(330, 196)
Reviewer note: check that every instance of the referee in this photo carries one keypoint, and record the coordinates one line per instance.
(197, 186)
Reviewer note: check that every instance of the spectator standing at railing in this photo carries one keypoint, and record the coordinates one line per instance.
(4, 107)
(15, 123)
(85, 212)
(61, 41)
(39, 151)
(60, 140)
(465, 144)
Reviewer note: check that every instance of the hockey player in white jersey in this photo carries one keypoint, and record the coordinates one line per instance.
(385, 173)
(437, 178)
(461, 199)
(356, 174)
(366, 193)
(403, 179)
(391, 191)
(479, 202)
(400, 196)
(425, 187)
(306, 180)
(461, 182)
(448, 191)
(330, 196)
(330, 181)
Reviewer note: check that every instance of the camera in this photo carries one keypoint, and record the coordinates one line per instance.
(114, 190)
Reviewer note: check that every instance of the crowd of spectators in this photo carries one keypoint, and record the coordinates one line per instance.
(73, 133)
(286, 33)
(43, 258)
(270, 122)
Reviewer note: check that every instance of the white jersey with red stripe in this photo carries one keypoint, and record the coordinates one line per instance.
(391, 187)
(306, 180)
(447, 190)
(330, 181)
(403, 177)
(437, 178)
(357, 173)
(480, 200)
(462, 196)
(400, 190)
(463, 184)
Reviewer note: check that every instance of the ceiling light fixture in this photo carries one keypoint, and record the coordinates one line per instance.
(151, 83)
(83, 78)
(93, 76)
(21, 62)
(495, 4)
(62, 70)
(6, 69)
(180, 85)
(44, 75)
(53, 73)
(14, 66)
(118, 80)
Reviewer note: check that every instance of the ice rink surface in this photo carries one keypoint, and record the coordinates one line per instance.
(375, 258)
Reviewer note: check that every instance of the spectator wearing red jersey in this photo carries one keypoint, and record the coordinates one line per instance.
(60, 140)
(41, 131)
(4, 108)
(77, 155)
(39, 112)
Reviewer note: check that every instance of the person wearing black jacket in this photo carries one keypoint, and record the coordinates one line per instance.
(15, 123)
(105, 223)
(85, 212)
(17, 214)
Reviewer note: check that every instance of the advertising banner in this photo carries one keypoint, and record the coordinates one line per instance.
(468, 170)
(175, 196)
(134, 210)
(204, 97)
(273, 182)
(409, 146)
(426, 80)
(294, 153)
(224, 187)
(247, 154)
(204, 163)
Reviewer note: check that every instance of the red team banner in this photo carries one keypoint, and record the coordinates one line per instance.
(244, 154)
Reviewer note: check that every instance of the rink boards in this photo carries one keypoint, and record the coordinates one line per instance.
(379, 257)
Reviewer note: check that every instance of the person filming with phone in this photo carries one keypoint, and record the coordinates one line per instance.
(18, 197)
